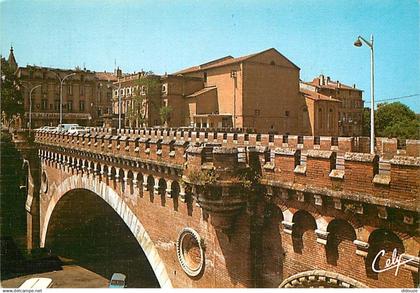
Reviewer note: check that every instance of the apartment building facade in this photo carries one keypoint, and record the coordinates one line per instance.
(86, 95)
(140, 96)
(350, 111)
(259, 91)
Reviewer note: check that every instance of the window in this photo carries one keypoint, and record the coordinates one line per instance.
(44, 104)
(69, 106)
(164, 88)
(56, 105)
(70, 89)
(205, 76)
(272, 63)
(286, 113)
(226, 122)
(108, 95)
(99, 112)
(81, 106)
(320, 119)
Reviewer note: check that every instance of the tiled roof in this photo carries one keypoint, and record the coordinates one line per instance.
(202, 91)
(106, 76)
(317, 96)
(225, 61)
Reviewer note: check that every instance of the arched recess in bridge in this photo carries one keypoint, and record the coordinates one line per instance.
(106, 195)
(320, 279)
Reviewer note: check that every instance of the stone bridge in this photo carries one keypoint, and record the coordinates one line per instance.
(236, 210)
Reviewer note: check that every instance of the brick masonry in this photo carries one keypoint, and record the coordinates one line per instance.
(299, 225)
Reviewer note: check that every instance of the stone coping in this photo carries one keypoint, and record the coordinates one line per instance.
(359, 157)
(405, 160)
(319, 154)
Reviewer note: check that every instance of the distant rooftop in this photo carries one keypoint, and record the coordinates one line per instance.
(227, 60)
(326, 82)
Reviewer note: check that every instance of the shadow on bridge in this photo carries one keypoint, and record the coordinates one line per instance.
(85, 230)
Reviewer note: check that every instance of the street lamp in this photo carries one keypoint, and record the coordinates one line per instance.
(358, 43)
(61, 92)
(30, 104)
(119, 103)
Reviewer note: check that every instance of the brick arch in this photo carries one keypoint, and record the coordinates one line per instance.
(382, 239)
(340, 240)
(111, 197)
(321, 279)
(304, 226)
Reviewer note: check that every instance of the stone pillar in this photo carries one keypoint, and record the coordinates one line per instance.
(29, 151)
(169, 188)
(287, 222)
(156, 187)
(109, 173)
(117, 174)
(182, 192)
(321, 231)
(88, 167)
(361, 248)
(145, 182)
(135, 181)
(95, 169)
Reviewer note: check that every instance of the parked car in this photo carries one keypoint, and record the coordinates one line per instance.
(37, 283)
(65, 127)
(78, 130)
(117, 281)
(47, 128)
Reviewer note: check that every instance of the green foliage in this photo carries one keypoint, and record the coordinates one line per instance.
(396, 120)
(201, 177)
(248, 179)
(11, 96)
(165, 114)
(366, 122)
(142, 98)
(5, 137)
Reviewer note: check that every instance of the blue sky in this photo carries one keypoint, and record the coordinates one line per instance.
(165, 36)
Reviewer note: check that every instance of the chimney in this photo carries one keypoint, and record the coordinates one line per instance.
(328, 79)
(119, 72)
(338, 84)
(354, 85)
(321, 79)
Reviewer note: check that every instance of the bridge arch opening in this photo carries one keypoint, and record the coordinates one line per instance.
(86, 201)
(83, 228)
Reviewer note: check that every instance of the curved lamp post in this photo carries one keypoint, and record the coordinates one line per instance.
(119, 102)
(358, 43)
(61, 92)
(30, 104)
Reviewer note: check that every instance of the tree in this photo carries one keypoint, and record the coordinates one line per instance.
(165, 114)
(143, 98)
(11, 95)
(396, 120)
(366, 122)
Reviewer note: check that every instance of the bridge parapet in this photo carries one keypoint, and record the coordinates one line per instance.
(389, 180)
(384, 146)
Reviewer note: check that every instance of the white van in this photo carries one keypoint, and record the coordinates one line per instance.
(37, 283)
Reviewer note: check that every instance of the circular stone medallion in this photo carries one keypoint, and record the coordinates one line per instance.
(190, 252)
